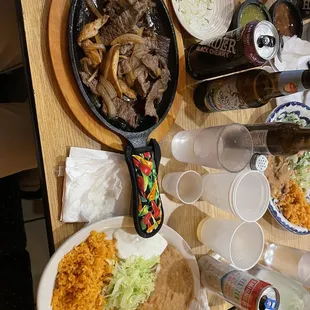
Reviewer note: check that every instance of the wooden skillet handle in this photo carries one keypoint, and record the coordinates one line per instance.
(143, 163)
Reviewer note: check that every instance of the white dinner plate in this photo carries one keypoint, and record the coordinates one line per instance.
(46, 285)
(204, 19)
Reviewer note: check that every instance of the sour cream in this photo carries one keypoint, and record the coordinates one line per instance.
(128, 243)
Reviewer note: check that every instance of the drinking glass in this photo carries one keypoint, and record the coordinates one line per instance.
(227, 147)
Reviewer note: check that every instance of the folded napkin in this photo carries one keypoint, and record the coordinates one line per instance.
(295, 56)
(96, 186)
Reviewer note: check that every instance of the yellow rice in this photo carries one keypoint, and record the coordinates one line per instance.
(83, 273)
(295, 207)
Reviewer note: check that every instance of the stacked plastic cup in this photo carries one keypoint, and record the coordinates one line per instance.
(185, 186)
(245, 194)
(240, 243)
(242, 192)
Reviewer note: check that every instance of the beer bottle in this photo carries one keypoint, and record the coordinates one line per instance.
(251, 89)
(284, 139)
(304, 6)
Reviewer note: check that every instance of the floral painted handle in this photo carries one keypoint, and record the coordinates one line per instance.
(147, 205)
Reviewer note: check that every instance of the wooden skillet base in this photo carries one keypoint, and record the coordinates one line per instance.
(58, 45)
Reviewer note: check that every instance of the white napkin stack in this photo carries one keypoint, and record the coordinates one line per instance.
(96, 186)
(295, 54)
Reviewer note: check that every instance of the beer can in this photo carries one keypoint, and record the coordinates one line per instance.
(237, 287)
(243, 48)
(248, 292)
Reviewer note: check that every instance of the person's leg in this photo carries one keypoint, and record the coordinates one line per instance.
(17, 146)
(16, 291)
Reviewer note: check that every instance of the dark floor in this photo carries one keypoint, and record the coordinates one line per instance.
(23, 247)
(37, 245)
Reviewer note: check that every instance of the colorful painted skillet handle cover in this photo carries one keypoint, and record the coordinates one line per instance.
(143, 163)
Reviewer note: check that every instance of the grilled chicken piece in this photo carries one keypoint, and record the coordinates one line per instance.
(92, 54)
(91, 29)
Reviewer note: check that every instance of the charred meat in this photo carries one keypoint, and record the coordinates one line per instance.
(125, 62)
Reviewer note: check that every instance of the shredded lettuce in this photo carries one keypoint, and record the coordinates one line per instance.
(300, 163)
(195, 11)
(132, 283)
(293, 118)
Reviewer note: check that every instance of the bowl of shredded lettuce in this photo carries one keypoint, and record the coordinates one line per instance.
(204, 19)
(299, 113)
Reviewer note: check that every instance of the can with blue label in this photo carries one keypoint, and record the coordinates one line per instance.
(237, 287)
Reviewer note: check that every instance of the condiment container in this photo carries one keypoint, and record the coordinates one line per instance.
(246, 12)
(285, 21)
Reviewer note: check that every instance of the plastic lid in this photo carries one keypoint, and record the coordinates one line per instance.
(249, 196)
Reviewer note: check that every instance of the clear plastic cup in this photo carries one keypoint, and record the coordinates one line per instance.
(240, 243)
(185, 186)
(245, 194)
(227, 147)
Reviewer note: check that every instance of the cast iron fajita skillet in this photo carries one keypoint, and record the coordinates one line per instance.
(142, 158)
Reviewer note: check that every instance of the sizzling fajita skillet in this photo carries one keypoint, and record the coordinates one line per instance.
(142, 157)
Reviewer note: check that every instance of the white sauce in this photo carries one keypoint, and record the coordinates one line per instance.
(128, 243)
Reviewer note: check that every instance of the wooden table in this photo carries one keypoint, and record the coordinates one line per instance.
(58, 131)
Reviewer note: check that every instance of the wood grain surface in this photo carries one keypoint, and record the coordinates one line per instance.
(59, 130)
(58, 46)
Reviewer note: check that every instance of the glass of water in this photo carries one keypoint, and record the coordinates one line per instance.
(227, 147)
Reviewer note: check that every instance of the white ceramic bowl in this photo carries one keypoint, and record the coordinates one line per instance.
(204, 19)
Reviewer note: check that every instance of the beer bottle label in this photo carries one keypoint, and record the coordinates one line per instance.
(224, 46)
(223, 96)
(290, 82)
(306, 7)
(259, 138)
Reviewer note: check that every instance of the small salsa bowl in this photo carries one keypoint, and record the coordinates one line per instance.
(236, 21)
(295, 12)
